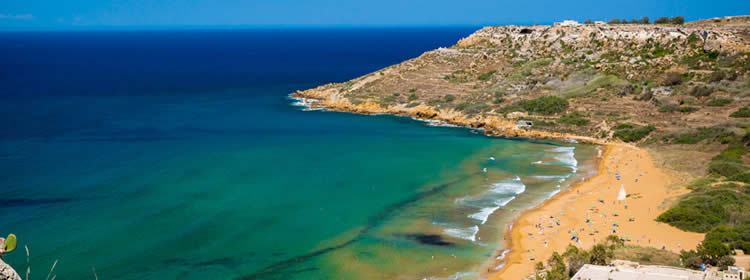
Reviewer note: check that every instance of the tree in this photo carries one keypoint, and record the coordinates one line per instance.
(690, 259)
(644, 20)
(614, 241)
(588, 21)
(634, 21)
(601, 254)
(538, 268)
(661, 20)
(614, 21)
(711, 251)
(677, 20)
(557, 271)
(576, 259)
(724, 262)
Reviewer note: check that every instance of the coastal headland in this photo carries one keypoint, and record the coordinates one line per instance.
(625, 87)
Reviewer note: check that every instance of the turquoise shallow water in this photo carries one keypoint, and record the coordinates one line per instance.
(155, 168)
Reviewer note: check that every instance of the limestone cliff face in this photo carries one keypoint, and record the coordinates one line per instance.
(608, 75)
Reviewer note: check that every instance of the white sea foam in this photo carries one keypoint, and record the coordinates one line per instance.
(457, 276)
(304, 102)
(566, 156)
(499, 267)
(484, 213)
(469, 233)
(502, 255)
(551, 177)
(553, 193)
(509, 186)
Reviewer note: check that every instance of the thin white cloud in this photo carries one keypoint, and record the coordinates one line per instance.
(25, 16)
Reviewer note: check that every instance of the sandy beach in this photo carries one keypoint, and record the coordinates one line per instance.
(590, 211)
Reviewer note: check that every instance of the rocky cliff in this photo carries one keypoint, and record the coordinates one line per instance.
(624, 82)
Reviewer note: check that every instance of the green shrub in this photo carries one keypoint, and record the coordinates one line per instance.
(574, 118)
(413, 97)
(661, 20)
(700, 212)
(413, 90)
(701, 91)
(472, 108)
(546, 105)
(623, 126)
(449, 98)
(668, 108)
(744, 177)
(718, 102)
(687, 109)
(634, 134)
(743, 112)
(716, 76)
(694, 136)
(677, 20)
(726, 168)
(538, 122)
(486, 76)
(413, 104)
(671, 79)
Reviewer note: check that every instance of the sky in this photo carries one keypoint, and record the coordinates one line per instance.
(175, 14)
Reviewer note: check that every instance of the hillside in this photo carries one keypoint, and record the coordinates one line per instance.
(623, 82)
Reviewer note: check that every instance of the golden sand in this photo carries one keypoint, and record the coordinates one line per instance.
(535, 234)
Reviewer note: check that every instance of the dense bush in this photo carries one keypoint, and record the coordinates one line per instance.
(661, 20)
(574, 118)
(743, 112)
(738, 237)
(687, 109)
(701, 91)
(700, 212)
(677, 20)
(413, 97)
(546, 105)
(725, 168)
(472, 108)
(744, 177)
(694, 136)
(716, 76)
(718, 102)
(633, 134)
(668, 108)
(671, 79)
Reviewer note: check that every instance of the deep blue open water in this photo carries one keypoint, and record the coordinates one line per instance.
(177, 155)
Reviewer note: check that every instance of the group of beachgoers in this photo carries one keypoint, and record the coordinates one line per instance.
(595, 217)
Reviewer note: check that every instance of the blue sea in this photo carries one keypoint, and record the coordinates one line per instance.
(178, 155)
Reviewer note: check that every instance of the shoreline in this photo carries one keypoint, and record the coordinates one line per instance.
(320, 99)
(508, 251)
(516, 246)
(524, 249)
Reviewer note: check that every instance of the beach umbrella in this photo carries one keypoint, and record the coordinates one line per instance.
(622, 195)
